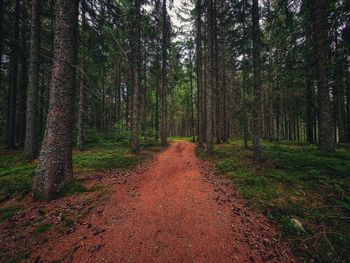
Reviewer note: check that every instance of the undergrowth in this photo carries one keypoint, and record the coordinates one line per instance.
(296, 182)
(102, 153)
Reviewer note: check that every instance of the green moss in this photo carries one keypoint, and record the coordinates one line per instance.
(296, 181)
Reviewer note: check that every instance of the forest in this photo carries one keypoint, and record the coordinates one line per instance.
(174, 130)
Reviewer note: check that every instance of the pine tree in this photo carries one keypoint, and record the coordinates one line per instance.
(55, 160)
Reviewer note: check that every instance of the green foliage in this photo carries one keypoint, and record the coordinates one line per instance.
(74, 188)
(121, 132)
(296, 182)
(7, 213)
(41, 229)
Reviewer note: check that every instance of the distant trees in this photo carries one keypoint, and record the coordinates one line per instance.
(269, 74)
(55, 160)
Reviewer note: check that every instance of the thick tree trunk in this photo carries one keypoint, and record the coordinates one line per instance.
(11, 132)
(135, 121)
(326, 141)
(55, 161)
(31, 140)
(258, 151)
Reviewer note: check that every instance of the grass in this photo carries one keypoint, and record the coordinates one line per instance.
(41, 229)
(174, 139)
(103, 153)
(8, 212)
(297, 181)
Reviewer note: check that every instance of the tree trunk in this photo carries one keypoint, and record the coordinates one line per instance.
(1, 37)
(55, 161)
(21, 125)
(309, 111)
(199, 73)
(31, 140)
(211, 78)
(81, 110)
(340, 101)
(164, 78)
(326, 141)
(11, 133)
(258, 151)
(135, 121)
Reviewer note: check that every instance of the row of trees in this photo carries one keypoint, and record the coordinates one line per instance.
(273, 69)
(113, 54)
(266, 70)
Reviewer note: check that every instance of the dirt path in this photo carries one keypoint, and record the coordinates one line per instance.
(170, 213)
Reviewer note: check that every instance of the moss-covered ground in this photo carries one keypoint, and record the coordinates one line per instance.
(295, 182)
(102, 153)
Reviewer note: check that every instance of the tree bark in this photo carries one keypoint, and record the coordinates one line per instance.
(135, 122)
(81, 103)
(340, 101)
(11, 133)
(199, 73)
(21, 124)
(164, 78)
(31, 140)
(258, 151)
(326, 142)
(1, 37)
(211, 79)
(55, 161)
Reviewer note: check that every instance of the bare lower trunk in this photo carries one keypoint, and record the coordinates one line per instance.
(55, 161)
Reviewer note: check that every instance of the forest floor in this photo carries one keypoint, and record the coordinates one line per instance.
(170, 209)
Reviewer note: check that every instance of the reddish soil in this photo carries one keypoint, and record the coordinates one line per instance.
(176, 210)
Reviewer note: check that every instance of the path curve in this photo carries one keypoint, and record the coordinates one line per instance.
(169, 213)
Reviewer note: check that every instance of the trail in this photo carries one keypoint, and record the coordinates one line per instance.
(175, 211)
